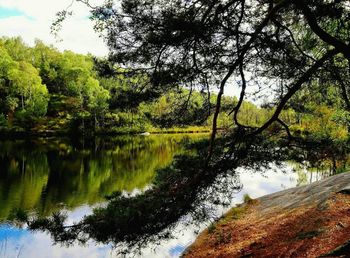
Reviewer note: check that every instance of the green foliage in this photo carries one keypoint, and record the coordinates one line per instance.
(19, 214)
(46, 59)
(81, 175)
(23, 70)
(212, 227)
(6, 64)
(320, 113)
(235, 213)
(247, 199)
(201, 44)
(26, 83)
(92, 95)
(16, 48)
(178, 108)
(341, 117)
(3, 121)
(97, 96)
(21, 86)
(46, 91)
(323, 123)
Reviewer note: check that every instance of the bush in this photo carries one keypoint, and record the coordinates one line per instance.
(24, 119)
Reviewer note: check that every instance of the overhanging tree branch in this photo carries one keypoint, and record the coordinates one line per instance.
(321, 33)
(292, 90)
(273, 10)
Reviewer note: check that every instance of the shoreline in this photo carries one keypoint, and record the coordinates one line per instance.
(31, 135)
(306, 221)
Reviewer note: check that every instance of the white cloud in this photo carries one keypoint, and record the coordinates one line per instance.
(77, 33)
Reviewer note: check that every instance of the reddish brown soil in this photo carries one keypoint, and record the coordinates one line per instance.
(308, 231)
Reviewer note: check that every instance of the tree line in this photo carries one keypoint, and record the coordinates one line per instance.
(44, 90)
(283, 46)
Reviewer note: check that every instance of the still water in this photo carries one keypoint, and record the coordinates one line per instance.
(48, 175)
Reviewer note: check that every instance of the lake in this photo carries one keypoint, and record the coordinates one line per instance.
(75, 175)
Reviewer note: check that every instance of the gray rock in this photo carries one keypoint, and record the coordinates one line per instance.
(313, 194)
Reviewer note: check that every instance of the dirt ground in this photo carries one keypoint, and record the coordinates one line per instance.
(311, 228)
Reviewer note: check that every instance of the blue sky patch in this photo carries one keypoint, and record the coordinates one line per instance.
(8, 232)
(176, 251)
(9, 12)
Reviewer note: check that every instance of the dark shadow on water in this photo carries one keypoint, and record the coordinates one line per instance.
(183, 188)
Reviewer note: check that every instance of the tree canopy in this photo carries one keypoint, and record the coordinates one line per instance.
(44, 91)
(280, 45)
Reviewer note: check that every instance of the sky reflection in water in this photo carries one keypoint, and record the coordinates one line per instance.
(16, 242)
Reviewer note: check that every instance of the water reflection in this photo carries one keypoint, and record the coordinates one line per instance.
(27, 244)
(44, 175)
(57, 173)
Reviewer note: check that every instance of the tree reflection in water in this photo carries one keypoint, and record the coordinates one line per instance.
(44, 174)
(184, 188)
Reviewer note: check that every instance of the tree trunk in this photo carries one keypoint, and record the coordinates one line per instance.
(22, 100)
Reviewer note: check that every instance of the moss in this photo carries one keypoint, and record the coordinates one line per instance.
(239, 211)
(235, 213)
(248, 200)
(211, 228)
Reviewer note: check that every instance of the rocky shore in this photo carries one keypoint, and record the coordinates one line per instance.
(307, 221)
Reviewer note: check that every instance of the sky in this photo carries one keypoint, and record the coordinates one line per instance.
(32, 19)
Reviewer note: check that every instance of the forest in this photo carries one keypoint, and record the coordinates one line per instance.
(46, 92)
